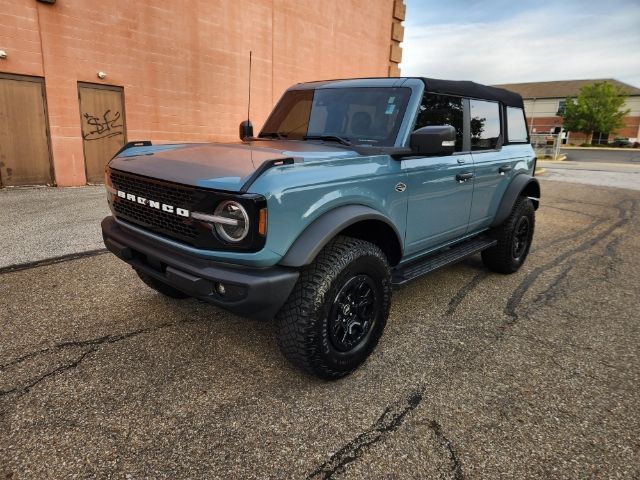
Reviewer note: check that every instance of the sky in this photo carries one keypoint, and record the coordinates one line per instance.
(498, 41)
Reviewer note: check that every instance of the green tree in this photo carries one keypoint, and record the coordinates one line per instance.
(597, 108)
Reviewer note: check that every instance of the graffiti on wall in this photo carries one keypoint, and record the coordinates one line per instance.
(110, 125)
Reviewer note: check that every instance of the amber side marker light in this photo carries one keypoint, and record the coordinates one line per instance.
(262, 222)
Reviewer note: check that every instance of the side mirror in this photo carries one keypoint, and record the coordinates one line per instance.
(433, 140)
(246, 130)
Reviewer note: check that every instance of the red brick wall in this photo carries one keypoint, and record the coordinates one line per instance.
(184, 64)
(631, 128)
(544, 124)
(20, 38)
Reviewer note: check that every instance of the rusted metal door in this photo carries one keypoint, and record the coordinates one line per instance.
(25, 158)
(103, 126)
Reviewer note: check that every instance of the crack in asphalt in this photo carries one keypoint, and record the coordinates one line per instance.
(52, 261)
(60, 369)
(565, 238)
(515, 300)
(548, 343)
(353, 450)
(456, 465)
(555, 347)
(591, 215)
(574, 372)
(94, 344)
(550, 293)
(476, 280)
(610, 252)
(82, 343)
(573, 201)
(390, 421)
(466, 289)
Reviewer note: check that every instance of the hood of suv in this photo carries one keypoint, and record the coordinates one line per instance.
(218, 165)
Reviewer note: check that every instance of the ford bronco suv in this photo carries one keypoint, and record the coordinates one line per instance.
(353, 187)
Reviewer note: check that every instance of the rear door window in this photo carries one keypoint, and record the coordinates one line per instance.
(485, 124)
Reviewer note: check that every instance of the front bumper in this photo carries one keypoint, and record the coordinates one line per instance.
(251, 292)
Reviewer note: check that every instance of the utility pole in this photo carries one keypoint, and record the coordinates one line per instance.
(533, 109)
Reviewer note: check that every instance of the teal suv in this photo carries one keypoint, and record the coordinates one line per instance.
(353, 187)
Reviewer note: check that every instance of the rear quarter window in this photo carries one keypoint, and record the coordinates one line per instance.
(516, 126)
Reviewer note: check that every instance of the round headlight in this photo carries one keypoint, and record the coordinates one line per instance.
(237, 226)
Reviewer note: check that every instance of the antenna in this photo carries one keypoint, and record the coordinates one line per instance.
(246, 129)
(249, 102)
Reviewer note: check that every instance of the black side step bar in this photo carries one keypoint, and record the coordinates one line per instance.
(454, 254)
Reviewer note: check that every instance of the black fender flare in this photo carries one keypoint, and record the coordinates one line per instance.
(313, 238)
(519, 184)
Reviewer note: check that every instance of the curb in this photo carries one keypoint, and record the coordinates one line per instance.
(539, 171)
(611, 149)
(561, 158)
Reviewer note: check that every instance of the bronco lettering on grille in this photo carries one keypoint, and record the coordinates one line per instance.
(153, 204)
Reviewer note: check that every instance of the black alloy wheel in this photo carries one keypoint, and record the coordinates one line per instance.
(521, 237)
(353, 313)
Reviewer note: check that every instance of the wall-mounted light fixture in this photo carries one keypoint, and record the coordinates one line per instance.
(3, 54)
(101, 75)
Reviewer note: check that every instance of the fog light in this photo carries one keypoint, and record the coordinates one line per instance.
(220, 290)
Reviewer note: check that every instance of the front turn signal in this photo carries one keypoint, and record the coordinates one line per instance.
(262, 222)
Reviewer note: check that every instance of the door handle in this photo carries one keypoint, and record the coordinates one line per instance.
(504, 169)
(463, 177)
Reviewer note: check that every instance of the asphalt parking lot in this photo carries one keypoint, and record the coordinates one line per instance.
(478, 375)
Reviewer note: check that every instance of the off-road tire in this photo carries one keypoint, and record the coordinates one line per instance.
(303, 322)
(509, 254)
(160, 287)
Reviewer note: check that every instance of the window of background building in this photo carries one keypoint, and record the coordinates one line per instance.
(562, 107)
(516, 126)
(485, 125)
(442, 110)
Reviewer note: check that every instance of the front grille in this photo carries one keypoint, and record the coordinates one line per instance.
(170, 193)
(144, 215)
(170, 224)
(185, 229)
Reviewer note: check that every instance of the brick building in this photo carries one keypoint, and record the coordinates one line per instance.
(543, 101)
(79, 78)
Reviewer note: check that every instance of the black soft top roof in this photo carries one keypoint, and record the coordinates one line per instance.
(465, 88)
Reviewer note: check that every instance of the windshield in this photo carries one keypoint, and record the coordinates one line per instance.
(358, 116)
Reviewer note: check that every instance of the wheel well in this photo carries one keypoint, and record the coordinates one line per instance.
(378, 233)
(532, 190)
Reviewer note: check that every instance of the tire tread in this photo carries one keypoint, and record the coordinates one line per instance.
(498, 258)
(295, 333)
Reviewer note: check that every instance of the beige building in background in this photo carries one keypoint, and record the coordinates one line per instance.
(544, 100)
(78, 79)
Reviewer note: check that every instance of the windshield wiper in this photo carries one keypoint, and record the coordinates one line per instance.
(333, 138)
(278, 135)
